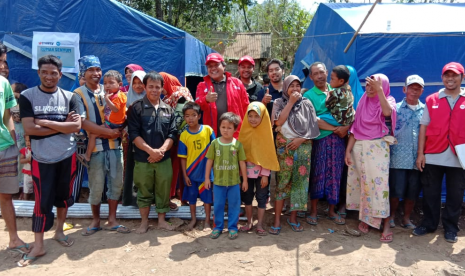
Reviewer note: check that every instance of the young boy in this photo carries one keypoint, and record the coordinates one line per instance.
(340, 101)
(193, 145)
(25, 159)
(115, 107)
(227, 156)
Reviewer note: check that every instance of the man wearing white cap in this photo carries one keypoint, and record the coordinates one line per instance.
(220, 93)
(404, 177)
(441, 130)
(246, 66)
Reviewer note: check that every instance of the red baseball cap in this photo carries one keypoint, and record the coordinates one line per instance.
(246, 58)
(454, 67)
(214, 57)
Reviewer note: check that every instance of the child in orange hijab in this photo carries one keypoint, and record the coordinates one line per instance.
(257, 138)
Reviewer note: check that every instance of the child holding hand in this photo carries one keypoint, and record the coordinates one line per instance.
(256, 136)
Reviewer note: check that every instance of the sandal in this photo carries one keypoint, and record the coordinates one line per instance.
(312, 220)
(120, 229)
(173, 207)
(26, 260)
(392, 224)
(342, 214)
(246, 228)
(64, 242)
(90, 231)
(275, 230)
(386, 239)
(301, 214)
(215, 234)
(233, 234)
(261, 232)
(17, 249)
(337, 219)
(410, 226)
(296, 227)
(363, 227)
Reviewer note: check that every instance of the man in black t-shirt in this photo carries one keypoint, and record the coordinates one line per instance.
(246, 66)
(275, 70)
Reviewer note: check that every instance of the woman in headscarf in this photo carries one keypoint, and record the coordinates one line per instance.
(136, 92)
(296, 123)
(176, 96)
(367, 156)
(128, 70)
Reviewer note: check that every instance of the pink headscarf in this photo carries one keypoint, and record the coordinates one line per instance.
(369, 121)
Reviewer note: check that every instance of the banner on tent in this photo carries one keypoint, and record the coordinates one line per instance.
(65, 46)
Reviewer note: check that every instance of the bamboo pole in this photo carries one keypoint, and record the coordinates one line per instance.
(361, 25)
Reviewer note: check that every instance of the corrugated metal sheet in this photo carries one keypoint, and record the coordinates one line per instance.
(256, 45)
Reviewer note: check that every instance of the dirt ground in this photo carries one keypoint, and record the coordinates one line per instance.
(316, 251)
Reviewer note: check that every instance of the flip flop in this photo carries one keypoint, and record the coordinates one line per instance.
(215, 234)
(91, 231)
(173, 209)
(294, 226)
(337, 219)
(28, 259)
(17, 249)
(245, 228)
(342, 214)
(392, 224)
(386, 239)
(301, 214)
(362, 229)
(410, 226)
(313, 221)
(352, 232)
(117, 228)
(261, 232)
(64, 242)
(274, 230)
(233, 234)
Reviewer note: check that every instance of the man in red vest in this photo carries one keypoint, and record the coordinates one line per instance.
(220, 93)
(442, 128)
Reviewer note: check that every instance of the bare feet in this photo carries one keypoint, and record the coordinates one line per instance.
(207, 226)
(143, 228)
(191, 225)
(165, 225)
(19, 246)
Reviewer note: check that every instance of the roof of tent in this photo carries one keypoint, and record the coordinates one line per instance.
(397, 40)
(117, 34)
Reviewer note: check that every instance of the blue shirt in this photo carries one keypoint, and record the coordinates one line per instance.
(404, 154)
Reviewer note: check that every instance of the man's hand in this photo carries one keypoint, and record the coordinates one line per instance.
(342, 131)
(296, 142)
(267, 97)
(72, 117)
(421, 161)
(155, 155)
(111, 133)
(211, 96)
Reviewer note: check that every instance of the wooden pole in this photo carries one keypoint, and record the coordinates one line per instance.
(361, 25)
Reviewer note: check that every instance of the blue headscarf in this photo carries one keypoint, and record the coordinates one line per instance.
(355, 85)
(87, 62)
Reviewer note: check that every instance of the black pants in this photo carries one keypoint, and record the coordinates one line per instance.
(431, 179)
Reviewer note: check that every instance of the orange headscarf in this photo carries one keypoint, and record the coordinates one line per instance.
(172, 86)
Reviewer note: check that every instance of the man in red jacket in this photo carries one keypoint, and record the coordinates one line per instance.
(440, 131)
(220, 93)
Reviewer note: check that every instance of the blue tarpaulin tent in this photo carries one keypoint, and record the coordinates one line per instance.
(397, 40)
(117, 34)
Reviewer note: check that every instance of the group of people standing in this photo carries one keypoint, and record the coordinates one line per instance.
(358, 150)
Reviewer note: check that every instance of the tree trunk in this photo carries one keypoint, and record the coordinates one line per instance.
(158, 10)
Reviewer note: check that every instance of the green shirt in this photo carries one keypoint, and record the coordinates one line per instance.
(318, 99)
(7, 101)
(226, 159)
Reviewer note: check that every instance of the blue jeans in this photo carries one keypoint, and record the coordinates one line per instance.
(220, 195)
